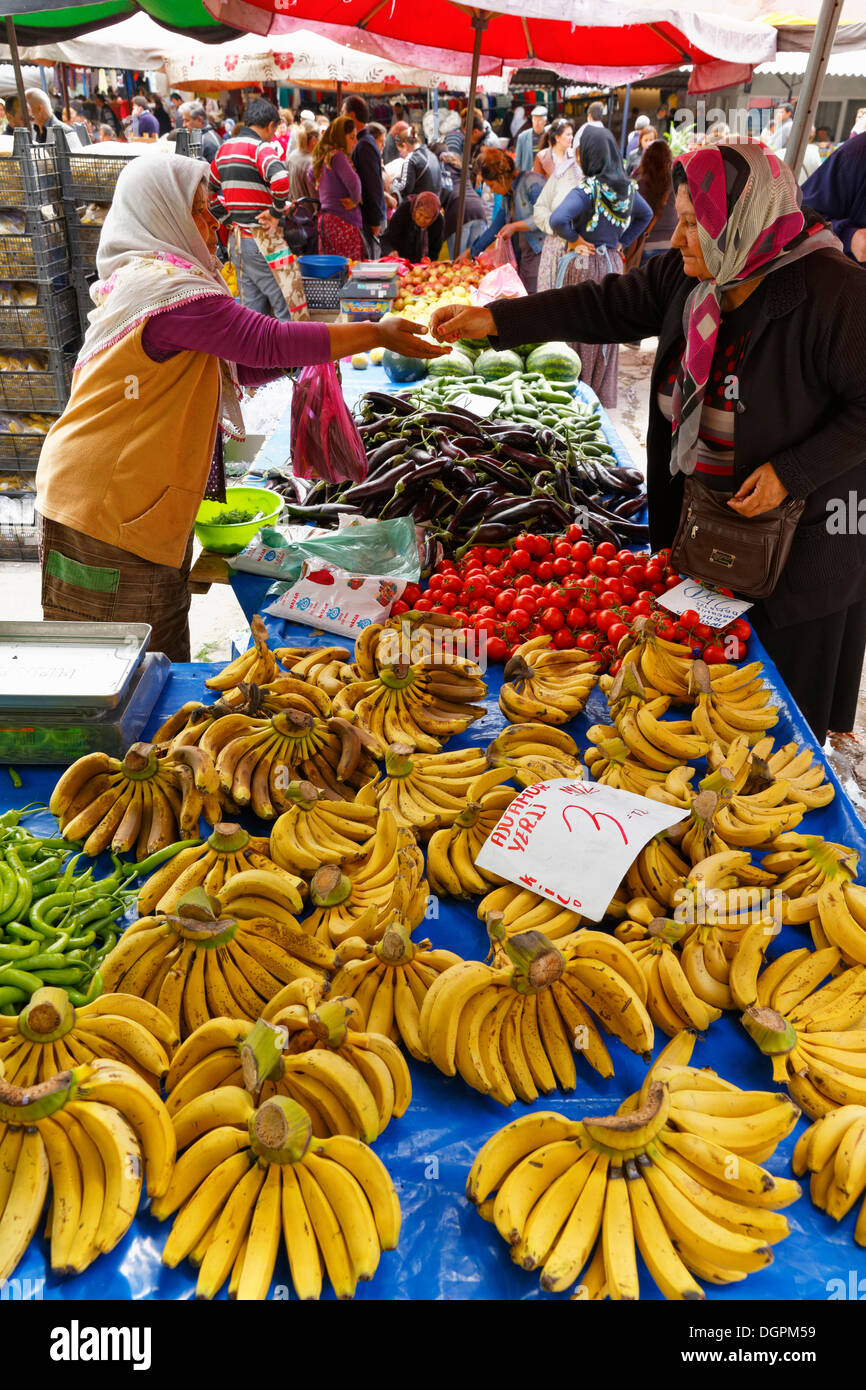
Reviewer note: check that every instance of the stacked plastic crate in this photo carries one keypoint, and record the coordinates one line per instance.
(39, 329)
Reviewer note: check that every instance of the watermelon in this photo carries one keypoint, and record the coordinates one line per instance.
(399, 368)
(556, 361)
(472, 346)
(492, 365)
(526, 348)
(455, 364)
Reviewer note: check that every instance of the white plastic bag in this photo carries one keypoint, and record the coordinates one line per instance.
(329, 598)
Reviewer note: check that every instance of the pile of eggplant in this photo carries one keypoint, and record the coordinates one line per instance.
(469, 480)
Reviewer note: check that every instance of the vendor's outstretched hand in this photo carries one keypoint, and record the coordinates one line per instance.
(455, 321)
(406, 337)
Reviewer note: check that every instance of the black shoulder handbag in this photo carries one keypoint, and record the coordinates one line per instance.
(716, 546)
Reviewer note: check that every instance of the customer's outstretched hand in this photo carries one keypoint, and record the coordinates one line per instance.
(406, 337)
(455, 321)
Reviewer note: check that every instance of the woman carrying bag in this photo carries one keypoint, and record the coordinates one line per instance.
(775, 316)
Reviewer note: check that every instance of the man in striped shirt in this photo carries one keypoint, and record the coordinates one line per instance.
(247, 191)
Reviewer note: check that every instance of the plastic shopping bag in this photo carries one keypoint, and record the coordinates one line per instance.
(500, 253)
(332, 600)
(387, 549)
(502, 283)
(325, 440)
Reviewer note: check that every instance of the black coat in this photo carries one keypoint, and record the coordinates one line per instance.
(801, 407)
(405, 237)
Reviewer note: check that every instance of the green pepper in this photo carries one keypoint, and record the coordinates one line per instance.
(19, 979)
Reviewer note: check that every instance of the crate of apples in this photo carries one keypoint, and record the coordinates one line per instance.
(582, 596)
(430, 283)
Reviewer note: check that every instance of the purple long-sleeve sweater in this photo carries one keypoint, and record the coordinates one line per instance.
(261, 347)
(339, 180)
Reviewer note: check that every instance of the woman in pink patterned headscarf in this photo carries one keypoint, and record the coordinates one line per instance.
(758, 388)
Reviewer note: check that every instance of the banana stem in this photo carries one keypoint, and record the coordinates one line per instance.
(228, 838)
(773, 1033)
(666, 929)
(329, 886)
(330, 1023)
(398, 760)
(303, 794)
(140, 762)
(396, 946)
(280, 1131)
(261, 1055)
(537, 963)
(23, 1106)
(47, 1016)
(719, 782)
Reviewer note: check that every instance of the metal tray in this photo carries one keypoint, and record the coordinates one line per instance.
(68, 665)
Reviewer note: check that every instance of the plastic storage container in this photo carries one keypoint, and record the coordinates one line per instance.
(324, 294)
(322, 267)
(40, 251)
(46, 390)
(29, 176)
(52, 322)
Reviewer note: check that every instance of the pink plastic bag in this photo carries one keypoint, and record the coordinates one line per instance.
(502, 283)
(500, 253)
(325, 440)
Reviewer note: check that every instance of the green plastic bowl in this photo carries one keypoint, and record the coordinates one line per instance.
(230, 540)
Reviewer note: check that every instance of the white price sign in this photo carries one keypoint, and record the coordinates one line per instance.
(572, 841)
(714, 609)
(479, 405)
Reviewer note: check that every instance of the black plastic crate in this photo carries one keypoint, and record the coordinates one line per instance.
(52, 322)
(29, 177)
(39, 252)
(20, 452)
(324, 293)
(83, 237)
(46, 391)
(82, 280)
(87, 178)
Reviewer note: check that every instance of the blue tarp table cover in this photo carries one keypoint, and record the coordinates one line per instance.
(446, 1250)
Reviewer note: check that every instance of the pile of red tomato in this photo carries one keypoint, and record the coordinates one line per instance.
(583, 597)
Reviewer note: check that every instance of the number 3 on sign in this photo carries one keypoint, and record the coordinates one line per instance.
(595, 817)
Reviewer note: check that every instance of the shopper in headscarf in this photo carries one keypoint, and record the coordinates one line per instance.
(417, 229)
(124, 469)
(600, 217)
(519, 190)
(764, 392)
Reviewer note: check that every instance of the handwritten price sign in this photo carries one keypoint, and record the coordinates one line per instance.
(716, 610)
(572, 842)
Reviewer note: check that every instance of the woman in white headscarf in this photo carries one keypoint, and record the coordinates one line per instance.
(155, 388)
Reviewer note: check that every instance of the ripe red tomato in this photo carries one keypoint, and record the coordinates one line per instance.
(563, 638)
(604, 617)
(641, 608)
(523, 582)
(614, 567)
(447, 600)
(504, 601)
(521, 559)
(734, 646)
(634, 574)
(573, 532)
(545, 571)
(561, 566)
(399, 607)
(461, 614)
(496, 576)
(437, 581)
(551, 619)
(616, 632)
(598, 564)
(411, 593)
(561, 548)
(582, 551)
(672, 581)
(488, 611)
(740, 628)
(587, 642)
(492, 556)
(689, 618)
(576, 617)
(497, 649)
(714, 655)
(423, 605)
(589, 600)
(628, 593)
(703, 633)
(488, 625)
(539, 546)
(608, 598)
(606, 550)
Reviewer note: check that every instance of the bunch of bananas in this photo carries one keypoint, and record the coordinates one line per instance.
(813, 1036)
(535, 753)
(228, 851)
(672, 1174)
(50, 1036)
(523, 910)
(656, 743)
(657, 873)
(545, 684)
(204, 963)
(667, 668)
(293, 734)
(755, 768)
(350, 1082)
(729, 706)
(256, 666)
(186, 727)
(510, 1028)
(610, 762)
(147, 801)
(414, 703)
(356, 900)
(802, 865)
(247, 1177)
(671, 998)
(426, 791)
(842, 918)
(389, 982)
(90, 1134)
(316, 830)
(833, 1150)
(327, 667)
(451, 852)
